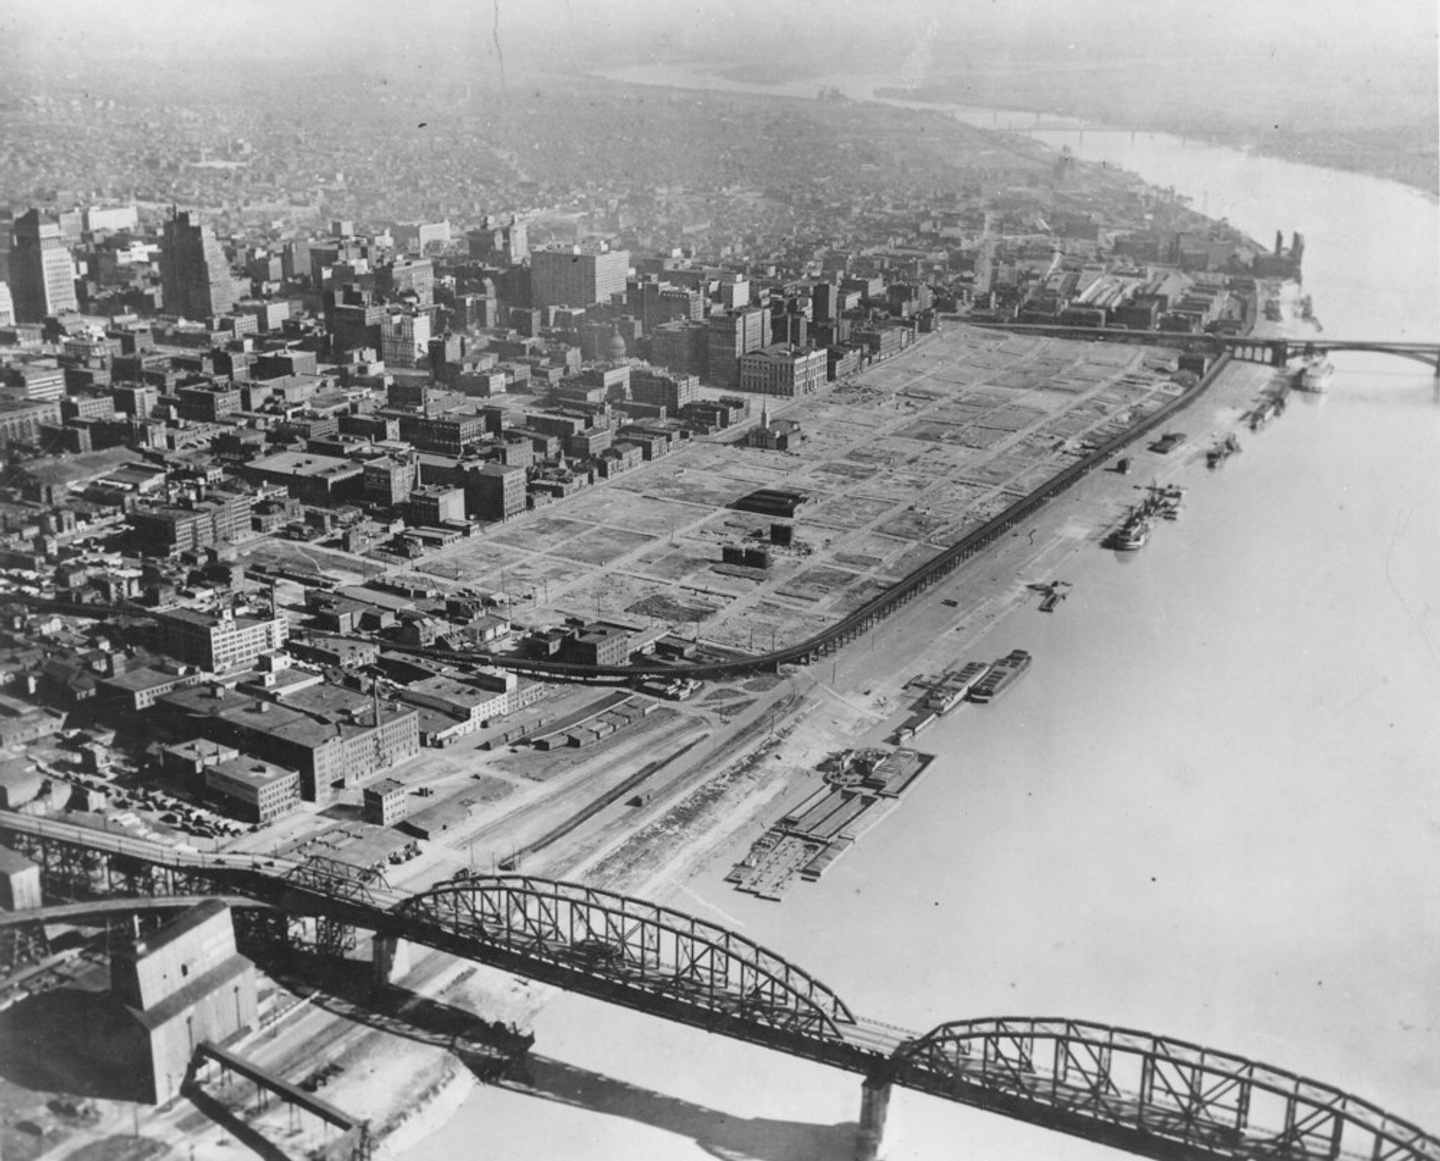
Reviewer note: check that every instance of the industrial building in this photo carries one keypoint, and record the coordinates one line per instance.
(19, 882)
(181, 985)
(217, 641)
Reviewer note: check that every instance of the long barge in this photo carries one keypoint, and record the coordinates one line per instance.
(1002, 675)
(941, 695)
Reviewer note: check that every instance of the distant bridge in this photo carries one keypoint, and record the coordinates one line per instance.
(1149, 1095)
(1277, 352)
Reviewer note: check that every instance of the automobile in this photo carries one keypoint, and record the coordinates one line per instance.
(597, 950)
(950, 603)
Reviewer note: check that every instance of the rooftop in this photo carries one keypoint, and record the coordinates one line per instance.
(252, 771)
(303, 464)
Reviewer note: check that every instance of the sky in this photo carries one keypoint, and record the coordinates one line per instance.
(1334, 48)
(1120, 27)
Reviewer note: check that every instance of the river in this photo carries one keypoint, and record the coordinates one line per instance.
(1212, 809)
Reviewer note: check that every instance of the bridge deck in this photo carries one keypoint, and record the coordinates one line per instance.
(99, 908)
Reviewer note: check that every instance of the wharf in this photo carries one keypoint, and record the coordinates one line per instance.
(939, 695)
(859, 791)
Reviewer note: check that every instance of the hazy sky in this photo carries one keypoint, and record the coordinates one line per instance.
(1333, 45)
(1383, 26)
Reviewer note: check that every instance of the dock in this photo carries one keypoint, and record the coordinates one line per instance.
(860, 789)
(938, 696)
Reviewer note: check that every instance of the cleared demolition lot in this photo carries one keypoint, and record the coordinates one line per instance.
(895, 466)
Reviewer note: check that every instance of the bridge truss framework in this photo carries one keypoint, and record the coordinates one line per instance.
(1150, 1095)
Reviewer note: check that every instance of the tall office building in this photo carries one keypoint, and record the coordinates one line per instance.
(681, 346)
(194, 274)
(405, 338)
(42, 276)
(731, 335)
(657, 302)
(500, 240)
(577, 276)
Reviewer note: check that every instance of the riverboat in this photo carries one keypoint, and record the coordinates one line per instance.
(1130, 536)
(1314, 375)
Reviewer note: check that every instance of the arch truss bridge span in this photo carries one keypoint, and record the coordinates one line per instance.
(630, 952)
(1150, 1095)
(1280, 352)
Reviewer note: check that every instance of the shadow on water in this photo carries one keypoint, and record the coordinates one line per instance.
(499, 1054)
(717, 1133)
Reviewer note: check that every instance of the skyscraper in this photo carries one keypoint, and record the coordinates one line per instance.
(577, 276)
(194, 274)
(42, 277)
(732, 334)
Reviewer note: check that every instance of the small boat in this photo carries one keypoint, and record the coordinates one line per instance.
(1222, 451)
(1265, 412)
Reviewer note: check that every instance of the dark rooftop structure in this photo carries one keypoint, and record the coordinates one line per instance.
(771, 502)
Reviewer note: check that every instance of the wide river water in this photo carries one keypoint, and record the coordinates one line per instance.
(1212, 808)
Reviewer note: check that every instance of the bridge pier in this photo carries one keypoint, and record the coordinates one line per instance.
(874, 1105)
(390, 958)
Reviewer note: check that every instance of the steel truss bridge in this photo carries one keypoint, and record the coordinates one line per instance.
(1149, 1095)
(1277, 352)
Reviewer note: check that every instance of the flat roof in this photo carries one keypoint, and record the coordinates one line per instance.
(252, 771)
(181, 925)
(146, 677)
(302, 464)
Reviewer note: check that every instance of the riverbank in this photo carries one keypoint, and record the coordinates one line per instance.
(953, 619)
(1402, 155)
(1211, 790)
